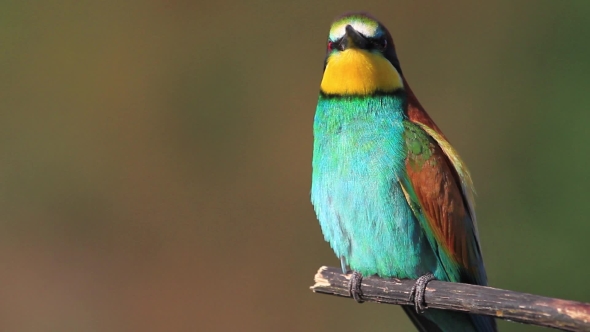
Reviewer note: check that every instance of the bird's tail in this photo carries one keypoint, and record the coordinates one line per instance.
(447, 321)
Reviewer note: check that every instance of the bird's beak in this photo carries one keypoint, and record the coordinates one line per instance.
(353, 39)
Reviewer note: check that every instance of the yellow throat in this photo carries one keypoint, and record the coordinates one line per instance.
(359, 72)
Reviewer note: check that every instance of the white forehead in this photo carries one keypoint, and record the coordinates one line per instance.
(365, 27)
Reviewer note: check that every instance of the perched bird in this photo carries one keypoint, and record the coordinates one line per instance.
(392, 196)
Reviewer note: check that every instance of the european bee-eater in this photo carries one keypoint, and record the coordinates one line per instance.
(392, 196)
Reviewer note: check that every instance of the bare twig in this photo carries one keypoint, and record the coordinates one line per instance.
(521, 307)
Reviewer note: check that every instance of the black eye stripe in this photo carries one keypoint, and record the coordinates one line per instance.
(336, 44)
(374, 44)
(378, 42)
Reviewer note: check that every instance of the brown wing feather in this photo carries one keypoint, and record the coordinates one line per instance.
(443, 200)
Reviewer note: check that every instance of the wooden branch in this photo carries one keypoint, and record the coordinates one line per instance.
(521, 307)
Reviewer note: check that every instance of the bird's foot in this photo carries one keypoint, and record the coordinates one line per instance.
(354, 286)
(418, 290)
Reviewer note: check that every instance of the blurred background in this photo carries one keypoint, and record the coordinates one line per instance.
(155, 156)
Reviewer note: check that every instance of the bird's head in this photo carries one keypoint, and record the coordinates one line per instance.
(360, 58)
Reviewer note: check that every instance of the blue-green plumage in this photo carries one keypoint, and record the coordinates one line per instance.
(359, 155)
(360, 148)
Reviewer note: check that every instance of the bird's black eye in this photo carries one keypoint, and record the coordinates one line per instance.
(379, 44)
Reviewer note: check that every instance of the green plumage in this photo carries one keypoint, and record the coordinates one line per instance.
(359, 157)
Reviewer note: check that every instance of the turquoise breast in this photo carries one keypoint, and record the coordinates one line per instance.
(359, 155)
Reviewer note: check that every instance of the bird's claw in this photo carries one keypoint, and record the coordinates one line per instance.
(354, 286)
(418, 290)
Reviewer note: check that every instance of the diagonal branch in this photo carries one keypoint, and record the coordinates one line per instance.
(521, 307)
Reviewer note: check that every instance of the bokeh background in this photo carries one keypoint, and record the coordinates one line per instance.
(155, 156)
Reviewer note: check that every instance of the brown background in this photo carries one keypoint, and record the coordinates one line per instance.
(155, 156)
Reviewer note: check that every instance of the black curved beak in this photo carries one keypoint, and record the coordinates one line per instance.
(353, 39)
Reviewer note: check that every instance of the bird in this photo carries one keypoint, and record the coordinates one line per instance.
(392, 196)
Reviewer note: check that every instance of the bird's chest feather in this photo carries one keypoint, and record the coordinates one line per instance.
(359, 154)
